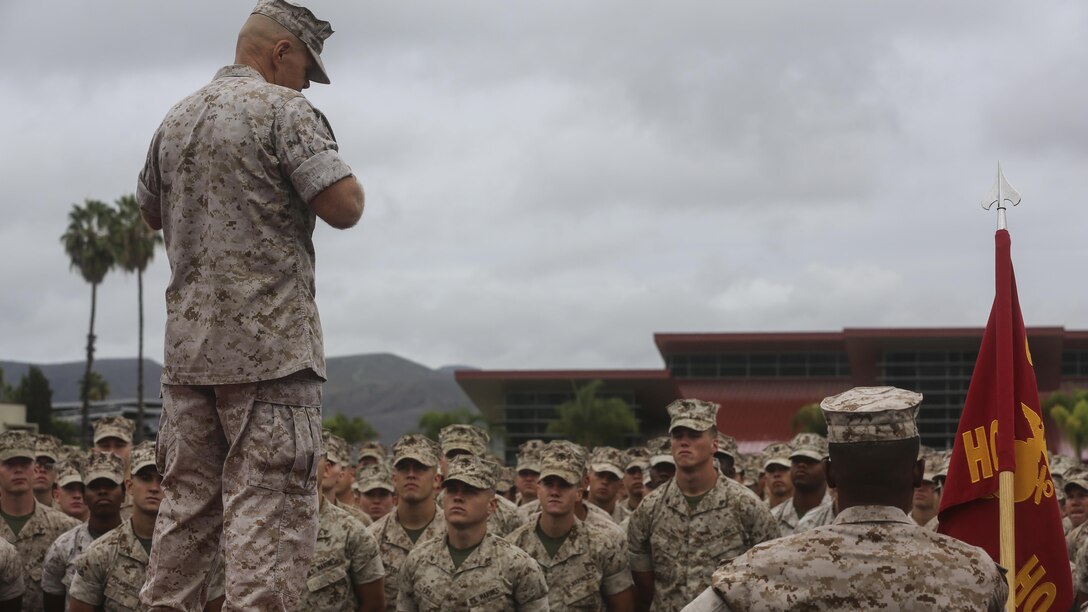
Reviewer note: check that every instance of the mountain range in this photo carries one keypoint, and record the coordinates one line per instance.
(389, 391)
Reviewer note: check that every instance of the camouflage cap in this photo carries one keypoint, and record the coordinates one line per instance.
(529, 455)
(608, 459)
(113, 427)
(727, 445)
(506, 478)
(69, 450)
(336, 448)
(776, 453)
(374, 476)
(637, 456)
(143, 455)
(46, 445)
(17, 443)
(415, 446)
(660, 450)
(694, 414)
(463, 437)
(932, 466)
(1075, 477)
(1060, 463)
(105, 465)
(299, 21)
(68, 471)
(565, 461)
(871, 414)
(471, 470)
(807, 444)
(373, 449)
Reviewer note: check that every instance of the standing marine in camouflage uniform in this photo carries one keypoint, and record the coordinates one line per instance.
(636, 466)
(527, 470)
(29, 525)
(11, 578)
(461, 439)
(106, 488)
(808, 451)
(332, 481)
(416, 517)
(110, 572)
(662, 465)
(47, 451)
(376, 492)
(470, 569)
(1076, 541)
(873, 556)
(236, 176)
(778, 488)
(728, 456)
(68, 495)
(606, 481)
(696, 521)
(585, 566)
(346, 571)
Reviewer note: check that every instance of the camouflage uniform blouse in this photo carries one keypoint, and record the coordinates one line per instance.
(589, 563)
(33, 541)
(871, 557)
(683, 547)
(60, 561)
(230, 172)
(395, 545)
(11, 572)
(111, 571)
(346, 554)
(496, 577)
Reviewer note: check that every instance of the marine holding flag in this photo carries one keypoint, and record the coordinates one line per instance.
(1001, 430)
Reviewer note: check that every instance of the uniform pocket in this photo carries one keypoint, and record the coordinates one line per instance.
(583, 595)
(284, 428)
(327, 578)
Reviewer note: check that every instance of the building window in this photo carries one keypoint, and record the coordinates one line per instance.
(1075, 363)
(943, 378)
(760, 365)
(528, 413)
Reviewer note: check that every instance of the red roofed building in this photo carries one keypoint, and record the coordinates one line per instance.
(762, 379)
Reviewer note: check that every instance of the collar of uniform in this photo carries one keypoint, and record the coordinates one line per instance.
(238, 70)
(130, 545)
(873, 514)
(35, 525)
(715, 498)
(394, 533)
(576, 543)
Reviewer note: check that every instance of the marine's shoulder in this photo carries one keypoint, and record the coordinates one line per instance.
(55, 519)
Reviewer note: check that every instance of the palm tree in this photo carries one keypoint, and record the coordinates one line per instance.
(592, 420)
(134, 248)
(87, 243)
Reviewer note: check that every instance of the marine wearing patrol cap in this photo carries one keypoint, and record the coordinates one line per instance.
(374, 476)
(660, 450)
(608, 459)
(694, 414)
(417, 447)
(529, 455)
(69, 471)
(565, 461)
(299, 21)
(468, 438)
(637, 456)
(727, 445)
(871, 414)
(47, 446)
(374, 450)
(113, 427)
(471, 470)
(777, 453)
(336, 448)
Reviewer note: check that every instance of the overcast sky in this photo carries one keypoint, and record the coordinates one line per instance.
(548, 184)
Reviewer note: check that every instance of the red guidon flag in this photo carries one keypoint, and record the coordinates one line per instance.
(1001, 429)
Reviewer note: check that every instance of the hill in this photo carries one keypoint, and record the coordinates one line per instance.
(390, 392)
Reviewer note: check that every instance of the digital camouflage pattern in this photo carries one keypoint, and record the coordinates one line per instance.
(608, 459)
(299, 21)
(810, 445)
(394, 544)
(683, 547)
(346, 554)
(355, 512)
(785, 514)
(821, 515)
(505, 519)
(727, 445)
(107, 466)
(46, 445)
(112, 569)
(240, 302)
(11, 572)
(871, 414)
(590, 565)
(776, 453)
(418, 447)
(695, 414)
(60, 561)
(114, 427)
(33, 541)
(529, 455)
(375, 476)
(262, 468)
(496, 577)
(870, 558)
(16, 443)
(374, 449)
(468, 438)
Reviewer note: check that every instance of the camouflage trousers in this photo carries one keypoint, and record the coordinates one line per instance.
(239, 465)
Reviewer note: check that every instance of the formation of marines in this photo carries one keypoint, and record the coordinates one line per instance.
(846, 521)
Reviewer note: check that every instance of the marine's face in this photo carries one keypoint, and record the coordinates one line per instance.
(926, 496)
(1076, 504)
(692, 448)
(778, 480)
(557, 496)
(146, 486)
(526, 483)
(632, 481)
(45, 474)
(465, 505)
(806, 472)
(376, 503)
(413, 481)
(104, 497)
(69, 499)
(16, 474)
(604, 487)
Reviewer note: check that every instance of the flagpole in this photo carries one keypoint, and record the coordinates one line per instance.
(1004, 192)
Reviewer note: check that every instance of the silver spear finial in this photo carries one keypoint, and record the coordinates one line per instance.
(1002, 193)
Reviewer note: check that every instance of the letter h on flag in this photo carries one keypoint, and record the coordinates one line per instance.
(1001, 430)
